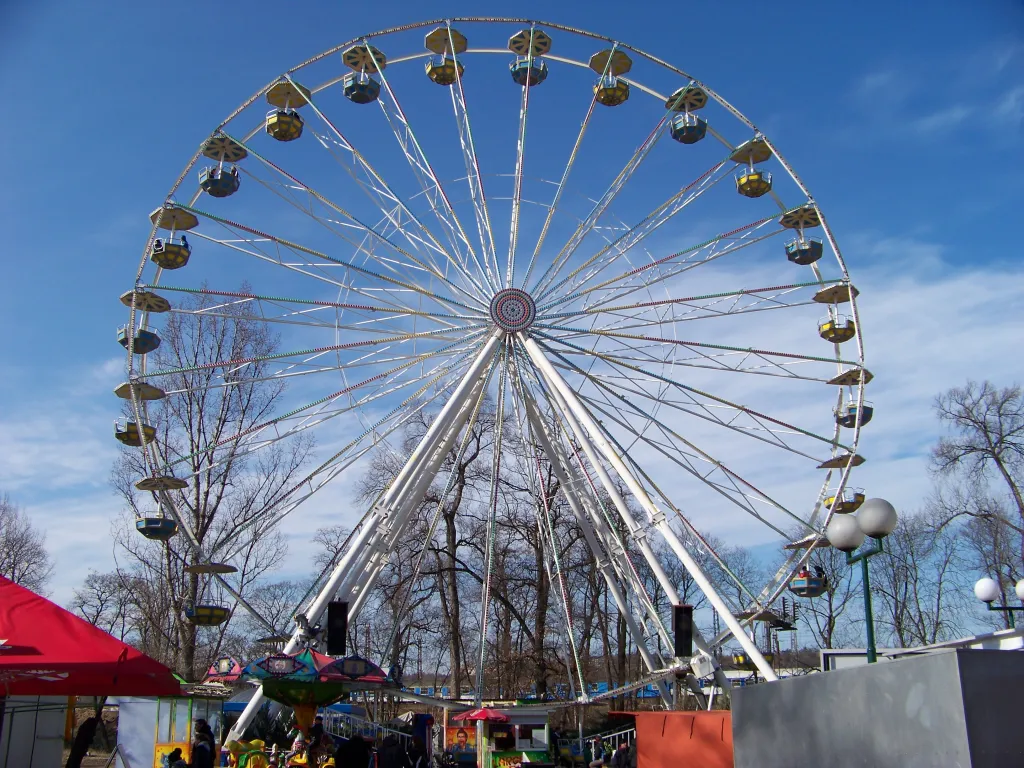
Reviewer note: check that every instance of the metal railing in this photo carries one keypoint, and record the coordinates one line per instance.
(345, 725)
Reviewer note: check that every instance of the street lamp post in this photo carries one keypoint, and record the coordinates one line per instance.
(987, 590)
(876, 518)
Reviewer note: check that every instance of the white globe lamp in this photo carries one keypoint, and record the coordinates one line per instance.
(877, 518)
(844, 533)
(986, 590)
(1019, 589)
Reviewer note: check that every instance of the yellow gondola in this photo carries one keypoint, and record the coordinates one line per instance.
(837, 328)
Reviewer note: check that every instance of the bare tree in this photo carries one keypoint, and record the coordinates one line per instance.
(919, 581)
(233, 493)
(23, 556)
(104, 600)
(986, 442)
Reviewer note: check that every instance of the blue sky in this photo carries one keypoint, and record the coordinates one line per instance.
(906, 126)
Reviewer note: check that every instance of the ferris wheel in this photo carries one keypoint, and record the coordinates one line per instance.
(585, 236)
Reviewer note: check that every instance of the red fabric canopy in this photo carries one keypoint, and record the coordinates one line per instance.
(487, 715)
(47, 651)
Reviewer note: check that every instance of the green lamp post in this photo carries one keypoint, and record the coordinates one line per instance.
(876, 519)
(988, 591)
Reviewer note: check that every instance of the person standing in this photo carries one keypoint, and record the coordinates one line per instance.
(83, 740)
(621, 757)
(391, 754)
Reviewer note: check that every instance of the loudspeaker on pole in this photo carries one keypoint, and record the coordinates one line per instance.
(337, 628)
(682, 627)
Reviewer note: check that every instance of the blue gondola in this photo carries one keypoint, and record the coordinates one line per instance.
(145, 340)
(847, 416)
(156, 527)
(360, 88)
(218, 181)
(804, 251)
(526, 72)
(687, 128)
(806, 585)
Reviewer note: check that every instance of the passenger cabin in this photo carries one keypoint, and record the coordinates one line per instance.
(849, 415)
(144, 342)
(170, 252)
(804, 250)
(218, 181)
(360, 88)
(806, 585)
(527, 72)
(285, 123)
(611, 91)
(687, 128)
(444, 71)
(127, 433)
(156, 527)
(207, 615)
(837, 328)
(846, 502)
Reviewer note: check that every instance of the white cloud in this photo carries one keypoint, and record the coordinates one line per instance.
(941, 121)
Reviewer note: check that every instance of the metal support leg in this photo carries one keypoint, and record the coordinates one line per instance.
(657, 518)
(627, 517)
(318, 605)
(560, 468)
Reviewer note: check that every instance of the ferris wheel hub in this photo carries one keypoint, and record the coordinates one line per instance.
(513, 310)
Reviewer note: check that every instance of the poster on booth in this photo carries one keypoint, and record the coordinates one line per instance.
(516, 759)
(161, 752)
(460, 740)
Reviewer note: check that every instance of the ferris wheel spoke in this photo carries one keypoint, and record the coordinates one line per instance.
(607, 198)
(411, 263)
(735, 488)
(553, 207)
(634, 236)
(667, 267)
(380, 430)
(517, 189)
(384, 192)
(422, 168)
(643, 279)
(283, 303)
(437, 335)
(695, 402)
(306, 421)
(391, 301)
(693, 303)
(488, 264)
(330, 259)
(761, 357)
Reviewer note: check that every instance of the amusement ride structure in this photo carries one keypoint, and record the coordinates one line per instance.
(582, 235)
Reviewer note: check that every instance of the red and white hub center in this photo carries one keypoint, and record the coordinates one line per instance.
(513, 310)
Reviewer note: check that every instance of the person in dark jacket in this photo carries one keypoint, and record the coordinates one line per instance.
(391, 754)
(354, 753)
(83, 740)
(316, 733)
(417, 753)
(202, 750)
(621, 757)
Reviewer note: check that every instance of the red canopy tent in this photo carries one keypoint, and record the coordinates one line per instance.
(47, 651)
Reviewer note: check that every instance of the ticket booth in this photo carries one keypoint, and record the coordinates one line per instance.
(493, 738)
(524, 739)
